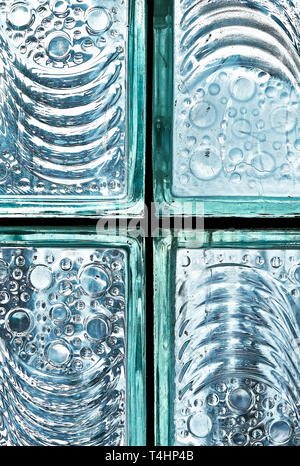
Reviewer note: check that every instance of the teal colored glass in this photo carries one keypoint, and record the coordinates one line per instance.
(72, 103)
(72, 338)
(227, 338)
(226, 107)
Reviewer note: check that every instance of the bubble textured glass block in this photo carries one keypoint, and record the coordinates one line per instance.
(71, 339)
(226, 106)
(72, 101)
(228, 372)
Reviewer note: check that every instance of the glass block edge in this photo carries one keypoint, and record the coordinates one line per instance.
(85, 237)
(165, 247)
(169, 204)
(132, 205)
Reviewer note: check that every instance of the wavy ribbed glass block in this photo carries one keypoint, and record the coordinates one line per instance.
(67, 72)
(64, 326)
(231, 91)
(234, 358)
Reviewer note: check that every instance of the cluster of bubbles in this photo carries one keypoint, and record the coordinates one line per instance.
(66, 314)
(283, 267)
(238, 412)
(241, 124)
(22, 184)
(57, 33)
(8, 165)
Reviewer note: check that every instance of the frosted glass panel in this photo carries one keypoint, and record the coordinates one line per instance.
(236, 99)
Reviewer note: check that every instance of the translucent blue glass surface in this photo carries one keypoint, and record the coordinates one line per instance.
(64, 339)
(237, 102)
(64, 87)
(231, 93)
(236, 347)
(234, 354)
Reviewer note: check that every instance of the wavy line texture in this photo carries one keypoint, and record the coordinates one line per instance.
(63, 85)
(62, 347)
(237, 348)
(236, 89)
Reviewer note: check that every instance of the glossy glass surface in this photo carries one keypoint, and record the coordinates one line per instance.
(66, 334)
(233, 352)
(226, 106)
(68, 72)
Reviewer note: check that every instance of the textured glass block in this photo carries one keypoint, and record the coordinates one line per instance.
(68, 71)
(64, 329)
(234, 357)
(231, 96)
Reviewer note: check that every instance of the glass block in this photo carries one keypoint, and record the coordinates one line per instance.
(226, 106)
(228, 368)
(71, 324)
(72, 92)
